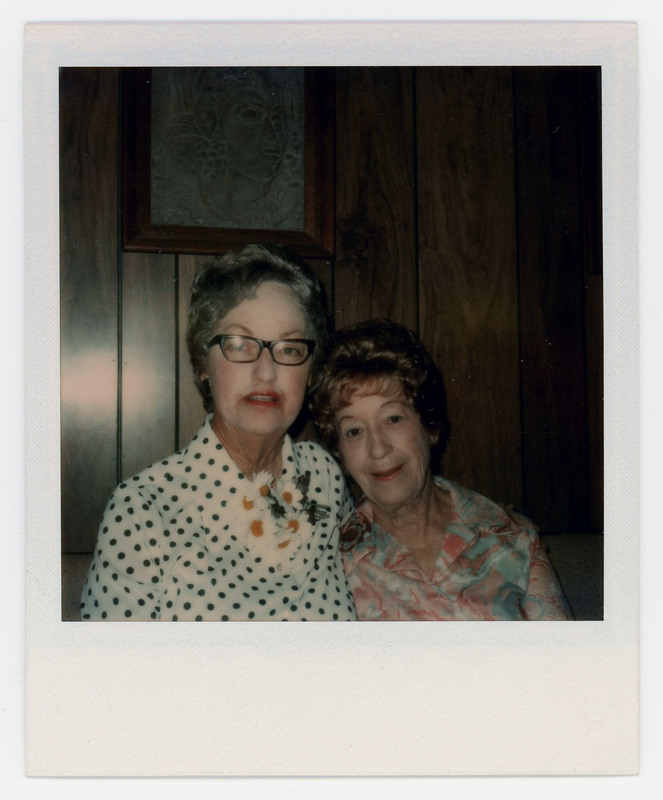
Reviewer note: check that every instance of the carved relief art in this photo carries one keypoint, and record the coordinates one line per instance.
(217, 157)
(227, 147)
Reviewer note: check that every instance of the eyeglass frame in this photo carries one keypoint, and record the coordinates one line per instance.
(219, 338)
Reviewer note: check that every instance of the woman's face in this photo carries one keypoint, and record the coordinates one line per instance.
(259, 399)
(384, 447)
(254, 129)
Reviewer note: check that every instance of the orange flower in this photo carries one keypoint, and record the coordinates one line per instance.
(257, 528)
(264, 491)
(287, 496)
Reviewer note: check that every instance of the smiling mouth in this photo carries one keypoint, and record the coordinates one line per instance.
(388, 474)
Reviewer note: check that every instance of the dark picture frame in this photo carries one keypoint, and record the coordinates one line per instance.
(140, 232)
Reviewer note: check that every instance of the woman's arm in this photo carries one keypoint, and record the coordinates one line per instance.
(545, 599)
(123, 581)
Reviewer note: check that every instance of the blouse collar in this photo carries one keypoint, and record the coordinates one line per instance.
(205, 446)
(385, 551)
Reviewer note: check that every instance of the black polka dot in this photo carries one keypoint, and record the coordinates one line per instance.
(253, 591)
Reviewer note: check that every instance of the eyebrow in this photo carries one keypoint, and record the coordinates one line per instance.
(384, 405)
(296, 333)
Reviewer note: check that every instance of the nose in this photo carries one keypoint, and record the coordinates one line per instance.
(378, 444)
(268, 135)
(265, 368)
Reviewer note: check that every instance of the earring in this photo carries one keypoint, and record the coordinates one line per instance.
(207, 388)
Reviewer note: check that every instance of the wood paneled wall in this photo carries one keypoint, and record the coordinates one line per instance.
(468, 270)
(89, 299)
(375, 271)
(551, 321)
(467, 207)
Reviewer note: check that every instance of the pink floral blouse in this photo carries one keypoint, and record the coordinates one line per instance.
(492, 566)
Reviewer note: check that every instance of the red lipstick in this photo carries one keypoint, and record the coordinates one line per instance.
(262, 399)
(387, 475)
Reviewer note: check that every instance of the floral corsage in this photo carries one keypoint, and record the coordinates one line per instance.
(277, 519)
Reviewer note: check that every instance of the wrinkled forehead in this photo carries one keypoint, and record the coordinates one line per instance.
(389, 386)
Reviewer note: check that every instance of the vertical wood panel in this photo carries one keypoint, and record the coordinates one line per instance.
(323, 270)
(555, 470)
(468, 278)
(89, 100)
(191, 409)
(303, 428)
(375, 268)
(149, 353)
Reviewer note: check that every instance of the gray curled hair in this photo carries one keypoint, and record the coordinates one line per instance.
(227, 280)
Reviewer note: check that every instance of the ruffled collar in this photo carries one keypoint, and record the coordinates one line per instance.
(273, 517)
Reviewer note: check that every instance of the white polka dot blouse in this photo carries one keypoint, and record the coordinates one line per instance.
(192, 538)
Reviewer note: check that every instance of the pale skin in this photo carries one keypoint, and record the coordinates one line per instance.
(256, 403)
(386, 450)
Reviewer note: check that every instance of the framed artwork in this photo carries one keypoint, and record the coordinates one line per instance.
(217, 157)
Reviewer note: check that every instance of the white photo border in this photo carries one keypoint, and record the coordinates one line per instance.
(325, 698)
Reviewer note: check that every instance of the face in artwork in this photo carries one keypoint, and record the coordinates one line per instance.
(261, 398)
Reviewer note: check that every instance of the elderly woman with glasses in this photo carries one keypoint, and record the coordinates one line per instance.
(243, 523)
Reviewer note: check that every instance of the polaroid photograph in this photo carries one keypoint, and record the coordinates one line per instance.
(442, 498)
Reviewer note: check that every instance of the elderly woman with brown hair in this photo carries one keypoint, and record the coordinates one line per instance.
(419, 547)
(243, 523)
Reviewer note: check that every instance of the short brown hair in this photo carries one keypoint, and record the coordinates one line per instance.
(370, 353)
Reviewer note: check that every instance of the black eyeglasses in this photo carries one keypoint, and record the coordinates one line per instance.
(246, 349)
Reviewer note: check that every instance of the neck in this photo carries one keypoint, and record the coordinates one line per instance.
(427, 514)
(251, 454)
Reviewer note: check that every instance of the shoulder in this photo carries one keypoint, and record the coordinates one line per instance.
(172, 469)
(156, 475)
(312, 455)
(324, 476)
(477, 510)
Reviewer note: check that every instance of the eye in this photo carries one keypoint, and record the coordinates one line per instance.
(351, 433)
(393, 419)
(249, 114)
(235, 345)
(292, 349)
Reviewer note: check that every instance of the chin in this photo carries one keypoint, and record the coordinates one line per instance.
(267, 427)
